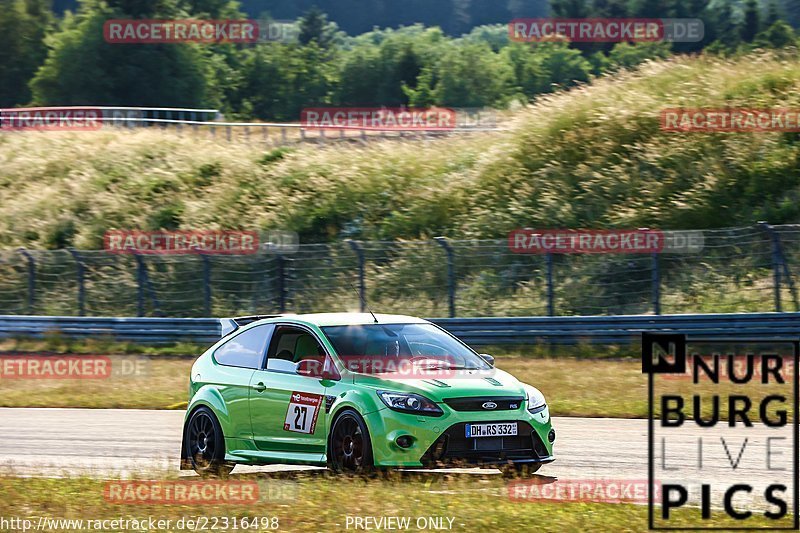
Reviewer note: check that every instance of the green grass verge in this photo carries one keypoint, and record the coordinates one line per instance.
(55, 343)
(573, 387)
(322, 503)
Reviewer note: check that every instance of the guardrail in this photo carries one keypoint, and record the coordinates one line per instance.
(140, 330)
(210, 121)
(474, 331)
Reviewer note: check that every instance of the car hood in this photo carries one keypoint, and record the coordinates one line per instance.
(463, 383)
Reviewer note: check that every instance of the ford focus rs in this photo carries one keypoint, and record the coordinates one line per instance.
(356, 392)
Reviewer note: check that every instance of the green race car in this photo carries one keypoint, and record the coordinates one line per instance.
(355, 392)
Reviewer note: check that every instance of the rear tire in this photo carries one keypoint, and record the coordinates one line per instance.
(205, 444)
(349, 445)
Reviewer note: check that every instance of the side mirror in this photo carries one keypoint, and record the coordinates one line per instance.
(488, 358)
(311, 368)
(314, 368)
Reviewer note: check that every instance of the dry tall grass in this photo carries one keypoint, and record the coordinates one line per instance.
(593, 156)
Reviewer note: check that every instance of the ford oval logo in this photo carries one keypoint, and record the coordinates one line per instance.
(489, 405)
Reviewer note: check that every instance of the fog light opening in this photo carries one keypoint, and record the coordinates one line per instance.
(552, 435)
(404, 441)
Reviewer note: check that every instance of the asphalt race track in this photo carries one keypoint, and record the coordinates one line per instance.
(54, 442)
(121, 442)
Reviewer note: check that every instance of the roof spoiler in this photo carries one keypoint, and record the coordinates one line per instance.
(229, 325)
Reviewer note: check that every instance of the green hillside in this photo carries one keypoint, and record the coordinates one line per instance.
(591, 157)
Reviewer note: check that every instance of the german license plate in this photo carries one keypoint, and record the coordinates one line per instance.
(502, 429)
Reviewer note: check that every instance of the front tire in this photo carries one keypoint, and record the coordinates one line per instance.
(349, 445)
(205, 444)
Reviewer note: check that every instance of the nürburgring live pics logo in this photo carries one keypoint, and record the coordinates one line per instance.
(723, 446)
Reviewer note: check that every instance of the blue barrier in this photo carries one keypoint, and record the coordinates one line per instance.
(568, 330)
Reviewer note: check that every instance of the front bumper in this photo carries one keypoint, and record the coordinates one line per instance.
(453, 447)
(442, 440)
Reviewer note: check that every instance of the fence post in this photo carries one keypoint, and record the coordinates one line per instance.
(787, 275)
(656, 280)
(362, 287)
(140, 277)
(80, 278)
(281, 269)
(31, 278)
(451, 275)
(551, 307)
(776, 263)
(206, 285)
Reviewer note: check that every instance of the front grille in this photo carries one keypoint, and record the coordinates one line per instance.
(454, 446)
(502, 403)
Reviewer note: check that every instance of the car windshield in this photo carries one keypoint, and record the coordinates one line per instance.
(422, 344)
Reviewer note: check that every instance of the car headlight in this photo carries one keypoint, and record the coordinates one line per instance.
(408, 402)
(536, 401)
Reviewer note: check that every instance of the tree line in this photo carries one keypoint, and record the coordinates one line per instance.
(64, 60)
(456, 17)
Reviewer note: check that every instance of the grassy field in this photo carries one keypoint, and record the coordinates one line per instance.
(573, 387)
(315, 503)
(570, 385)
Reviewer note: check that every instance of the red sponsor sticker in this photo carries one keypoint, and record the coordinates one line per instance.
(181, 242)
(380, 118)
(730, 120)
(586, 30)
(55, 367)
(531, 241)
(121, 31)
(581, 490)
(301, 416)
(181, 492)
(51, 119)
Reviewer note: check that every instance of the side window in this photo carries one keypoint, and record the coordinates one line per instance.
(291, 345)
(246, 349)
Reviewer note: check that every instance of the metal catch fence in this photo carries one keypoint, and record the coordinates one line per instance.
(747, 269)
